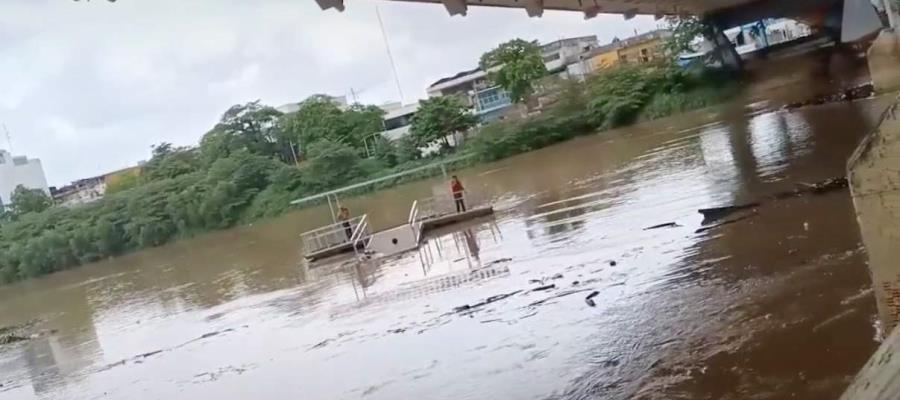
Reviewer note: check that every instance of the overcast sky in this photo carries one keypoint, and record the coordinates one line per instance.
(88, 87)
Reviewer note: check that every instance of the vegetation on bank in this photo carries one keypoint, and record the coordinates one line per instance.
(612, 99)
(256, 160)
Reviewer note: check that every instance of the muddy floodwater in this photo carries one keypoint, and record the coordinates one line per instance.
(775, 305)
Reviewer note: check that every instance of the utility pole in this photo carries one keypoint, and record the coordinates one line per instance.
(8, 138)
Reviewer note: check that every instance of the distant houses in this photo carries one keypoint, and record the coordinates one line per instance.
(88, 190)
(570, 58)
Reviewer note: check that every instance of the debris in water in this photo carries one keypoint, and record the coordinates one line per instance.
(612, 263)
(557, 276)
(849, 94)
(590, 298)
(726, 222)
(543, 288)
(502, 260)
(711, 215)
(558, 295)
(11, 338)
(666, 225)
(537, 281)
(489, 300)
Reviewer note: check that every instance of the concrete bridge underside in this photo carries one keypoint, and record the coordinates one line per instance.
(728, 12)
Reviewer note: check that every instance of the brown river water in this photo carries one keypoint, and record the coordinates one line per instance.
(774, 306)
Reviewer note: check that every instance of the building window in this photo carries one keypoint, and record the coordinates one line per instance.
(645, 55)
(492, 99)
(552, 57)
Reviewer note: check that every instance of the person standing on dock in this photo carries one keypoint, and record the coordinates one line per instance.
(458, 191)
(344, 216)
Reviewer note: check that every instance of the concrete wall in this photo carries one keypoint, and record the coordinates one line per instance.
(26, 172)
(878, 379)
(634, 54)
(874, 173)
(884, 61)
(605, 60)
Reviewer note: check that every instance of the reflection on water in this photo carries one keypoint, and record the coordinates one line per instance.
(734, 311)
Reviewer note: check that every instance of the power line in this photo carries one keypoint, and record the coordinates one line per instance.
(387, 46)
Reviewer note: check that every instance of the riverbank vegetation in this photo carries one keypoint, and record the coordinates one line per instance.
(256, 160)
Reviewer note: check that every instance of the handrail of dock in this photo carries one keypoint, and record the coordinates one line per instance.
(359, 235)
(436, 206)
(440, 164)
(359, 229)
(330, 235)
(414, 211)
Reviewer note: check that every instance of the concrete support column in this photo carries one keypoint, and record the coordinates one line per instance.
(874, 174)
(722, 47)
(891, 11)
(884, 60)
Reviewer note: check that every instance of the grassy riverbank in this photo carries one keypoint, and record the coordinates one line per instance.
(238, 172)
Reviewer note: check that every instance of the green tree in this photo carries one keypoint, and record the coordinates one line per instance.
(439, 117)
(251, 127)
(26, 200)
(320, 118)
(124, 181)
(515, 66)
(685, 31)
(169, 161)
(331, 164)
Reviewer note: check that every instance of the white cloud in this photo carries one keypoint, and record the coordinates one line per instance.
(89, 86)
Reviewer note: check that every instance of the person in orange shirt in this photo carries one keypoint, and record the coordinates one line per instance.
(458, 191)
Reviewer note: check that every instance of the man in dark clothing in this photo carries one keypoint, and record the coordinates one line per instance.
(458, 191)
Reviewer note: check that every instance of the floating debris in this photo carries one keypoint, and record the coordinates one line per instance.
(590, 298)
(666, 225)
(714, 214)
(543, 288)
(849, 94)
(727, 222)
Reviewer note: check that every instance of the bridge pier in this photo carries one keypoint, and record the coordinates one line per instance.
(884, 60)
(722, 47)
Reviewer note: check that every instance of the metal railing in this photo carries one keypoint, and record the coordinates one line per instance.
(333, 235)
(361, 235)
(414, 220)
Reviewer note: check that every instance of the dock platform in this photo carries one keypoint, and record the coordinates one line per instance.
(346, 247)
(443, 220)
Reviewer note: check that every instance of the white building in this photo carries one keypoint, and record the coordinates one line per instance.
(561, 53)
(19, 170)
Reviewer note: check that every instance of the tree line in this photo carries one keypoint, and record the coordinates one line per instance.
(250, 165)
(255, 160)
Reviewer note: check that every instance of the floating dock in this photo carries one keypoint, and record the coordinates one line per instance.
(439, 221)
(424, 215)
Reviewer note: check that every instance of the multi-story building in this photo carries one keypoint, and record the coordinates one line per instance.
(640, 49)
(82, 191)
(19, 170)
(88, 190)
(564, 52)
(487, 100)
(474, 90)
